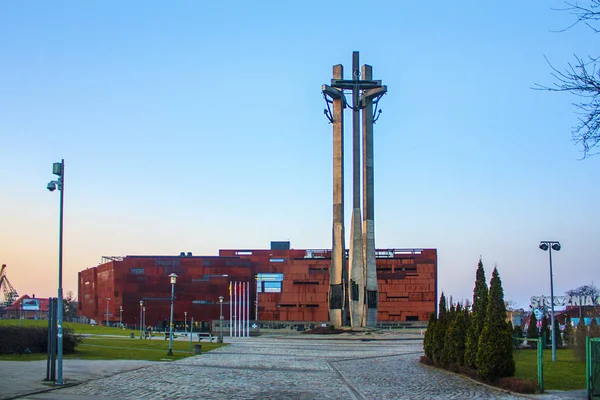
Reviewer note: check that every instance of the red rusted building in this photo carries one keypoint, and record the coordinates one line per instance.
(286, 285)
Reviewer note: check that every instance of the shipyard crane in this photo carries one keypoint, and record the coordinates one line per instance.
(8, 291)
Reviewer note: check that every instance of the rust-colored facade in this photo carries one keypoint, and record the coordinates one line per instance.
(407, 284)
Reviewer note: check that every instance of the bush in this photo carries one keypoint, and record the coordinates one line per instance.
(14, 340)
(518, 385)
(426, 360)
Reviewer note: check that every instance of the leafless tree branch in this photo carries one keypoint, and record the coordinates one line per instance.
(582, 78)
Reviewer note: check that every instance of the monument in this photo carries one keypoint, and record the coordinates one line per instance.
(353, 285)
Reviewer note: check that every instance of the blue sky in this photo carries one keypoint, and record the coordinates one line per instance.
(195, 126)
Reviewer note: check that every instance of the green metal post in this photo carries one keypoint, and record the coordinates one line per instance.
(588, 366)
(540, 364)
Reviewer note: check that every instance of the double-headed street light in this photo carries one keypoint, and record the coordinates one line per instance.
(220, 319)
(185, 321)
(141, 322)
(120, 316)
(173, 277)
(548, 245)
(58, 169)
(107, 300)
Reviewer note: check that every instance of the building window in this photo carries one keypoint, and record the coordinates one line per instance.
(272, 287)
(269, 283)
(202, 302)
(412, 318)
(136, 271)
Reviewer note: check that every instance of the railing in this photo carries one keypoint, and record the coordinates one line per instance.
(592, 367)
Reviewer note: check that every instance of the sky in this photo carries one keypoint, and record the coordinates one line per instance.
(196, 126)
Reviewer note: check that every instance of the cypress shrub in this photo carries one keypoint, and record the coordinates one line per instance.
(427, 340)
(455, 339)
(494, 354)
(477, 319)
(546, 331)
(558, 336)
(447, 358)
(518, 331)
(568, 335)
(594, 329)
(581, 333)
(439, 333)
(532, 330)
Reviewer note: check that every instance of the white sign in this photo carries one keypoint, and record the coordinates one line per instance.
(540, 301)
(30, 305)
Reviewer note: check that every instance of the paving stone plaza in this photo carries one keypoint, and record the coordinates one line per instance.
(290, 367)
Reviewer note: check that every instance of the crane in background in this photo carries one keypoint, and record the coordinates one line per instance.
(8, 291)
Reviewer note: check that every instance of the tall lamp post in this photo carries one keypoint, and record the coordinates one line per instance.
(141, 322)
(120, 316)
(58, 169)
(107, 300)
(173, 277)
(144, 317)
(185, 321)
(220, 319)
(548, 245)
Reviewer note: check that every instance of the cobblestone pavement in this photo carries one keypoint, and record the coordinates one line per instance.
(272, 368)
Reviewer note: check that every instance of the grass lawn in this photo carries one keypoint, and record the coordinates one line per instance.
(565, 374)
(101, 347)
(81, 329)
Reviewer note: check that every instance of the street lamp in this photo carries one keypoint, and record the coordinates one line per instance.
(173, 277)
(220, 319)
(107, 300)
(144, 316)
(58, 169)
(547, 245)
(121, 316)
(185, 321)
(141, 305)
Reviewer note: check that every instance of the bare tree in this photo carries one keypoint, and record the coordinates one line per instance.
(585, 290)
(582, 78)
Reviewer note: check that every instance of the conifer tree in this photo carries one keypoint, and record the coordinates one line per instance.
(510, 329)
(568, 336)
(428, 339)
(455, 339)
(495, 350)
(594, 329)
(477, 318)
(581, 333)
(518, 331)
(449, 345)
(557, 335)
(546, 331)
(532, 328)
(439, 333)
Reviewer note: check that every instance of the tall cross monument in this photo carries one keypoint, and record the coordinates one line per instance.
(353, 293)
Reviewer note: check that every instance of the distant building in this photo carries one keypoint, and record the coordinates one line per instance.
(27, 307)
(285, 285)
